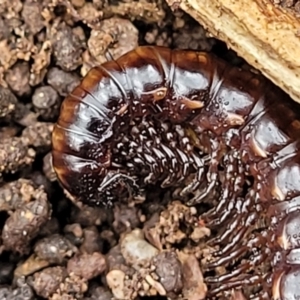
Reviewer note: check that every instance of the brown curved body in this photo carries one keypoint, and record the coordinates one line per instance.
(129, 123)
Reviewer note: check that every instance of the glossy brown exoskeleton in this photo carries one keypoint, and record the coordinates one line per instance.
(157, 115)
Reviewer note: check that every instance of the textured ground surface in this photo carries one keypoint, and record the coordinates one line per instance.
(51, 248)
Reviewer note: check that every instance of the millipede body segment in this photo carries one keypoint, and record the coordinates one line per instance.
(172, 117)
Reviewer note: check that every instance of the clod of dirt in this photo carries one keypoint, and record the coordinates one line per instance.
(89, 216)
(15, 195)
(38, 135)
(55, 249)
(23, 224)
(46, 102)
(199, 233)
(31, 265)
(47, 282)
(166, 230)
(63, 82)
(22, 291)
(149, 12)
(11, 109)
(92, 241)
(86, 265)
(48, 167)
(73, 287)
(126, 218)
(18, 79)
(67, 48)
(8, 102)
(289, 4)
(116, 261)
(108, 33)
(192, 36)
(4, 29)
(168, 268)
(88, 12)
(74, 232)
(194, 287)
(31, 14)
(136, 250)
(115, 280)
(99, 293)
(42, 60)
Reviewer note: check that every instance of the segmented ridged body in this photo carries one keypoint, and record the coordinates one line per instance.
(161, 116)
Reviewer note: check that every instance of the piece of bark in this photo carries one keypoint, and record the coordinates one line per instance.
(266, 36)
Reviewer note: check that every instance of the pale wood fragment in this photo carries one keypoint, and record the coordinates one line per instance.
(267, 37)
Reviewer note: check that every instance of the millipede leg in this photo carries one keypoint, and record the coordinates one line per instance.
(212, 174)
(221, 207)
(223, 214)
(199, 165)
(227, 286)
(253, 242)
(237, 278)
(240, 270)
(204, 194)
(222, 261)
(232, 187)
(234, 241)
(235, 237)
(113, 179)
(263, 295)
(226, 277)
(237, 218)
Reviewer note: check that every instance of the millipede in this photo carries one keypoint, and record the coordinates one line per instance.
(173, 117)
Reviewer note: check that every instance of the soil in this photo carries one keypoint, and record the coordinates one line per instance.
(50, 246)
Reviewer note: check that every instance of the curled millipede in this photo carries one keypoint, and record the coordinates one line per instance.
(173, 117)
